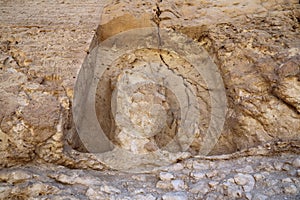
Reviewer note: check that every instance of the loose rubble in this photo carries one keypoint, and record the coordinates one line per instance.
(240, 178)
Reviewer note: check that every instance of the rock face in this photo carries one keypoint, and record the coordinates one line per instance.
(259, 66)
(255, 46)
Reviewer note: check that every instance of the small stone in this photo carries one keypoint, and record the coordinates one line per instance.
(296, 163)
(268, 167)
(178, 185)
(287, 180)
(213, 184)
(292, 172)
(175, 196)
(200, 166)
(231, 180)
(200, 187)
(234, 191)
(259, 177)
(246, 170)
(211, 174)
(166, 176)
(164, 185)
(110, 189)
(265, 174)
(139, 178)
(145, 197)
(189, 164)
(14, 177)
(198, 175)
(290, 189)
(286, 167)
(242, 179)
(245, 180)
(177, 167)
(231, 189)
(298, 172)
(278, 166)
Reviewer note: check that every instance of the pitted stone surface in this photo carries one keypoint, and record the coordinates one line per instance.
(255, 44)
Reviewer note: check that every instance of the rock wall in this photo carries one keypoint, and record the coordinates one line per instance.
(255, 45)
(43, 46)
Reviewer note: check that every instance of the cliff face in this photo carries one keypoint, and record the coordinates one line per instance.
(254, 44)
(166, 82)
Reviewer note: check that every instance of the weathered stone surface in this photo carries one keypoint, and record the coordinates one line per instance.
(296, 163)
(52, 181)
(255, 45)
(175, 196)
(40, 54)
(166, 176)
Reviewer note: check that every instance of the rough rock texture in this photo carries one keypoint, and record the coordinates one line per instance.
(42, 48)
(255, 44)
(254, 177)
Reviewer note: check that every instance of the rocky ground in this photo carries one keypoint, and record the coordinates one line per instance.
(274, 177)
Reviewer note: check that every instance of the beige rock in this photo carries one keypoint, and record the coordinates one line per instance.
(110, 189)
(260, 197)
(212, 174)
(42, 48)
(166, 176)
(243, 179)
(175, 196)
(164, 185)
(178, 185)
(198, 175)
(247, 169)
(145, 197)
(287, 180)
(278, 165)
(296, 163)
(213, 184)
(259, 177)
(199, 188)
(291, 189)
(14, 176)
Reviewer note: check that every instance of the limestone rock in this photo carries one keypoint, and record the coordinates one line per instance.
(199, 188)
(14, 176)
(291, 189)
(175, 196)
(178, 185)
(166, 176)
(260, 197)
(244, 179)
(296, 163)
(255, 47)
(198, 175)
(37, 85)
